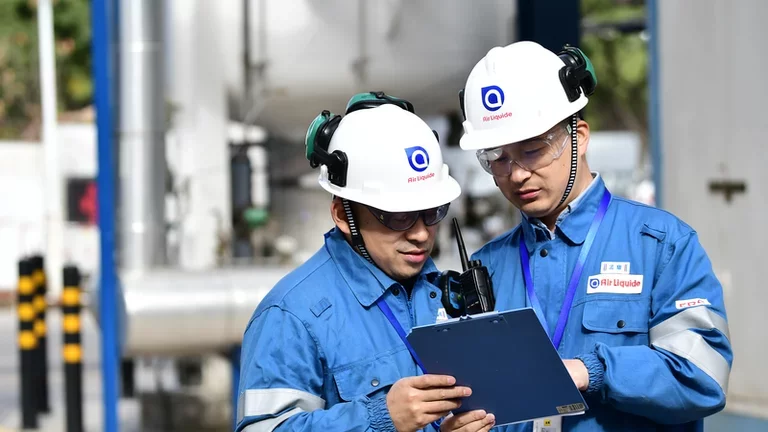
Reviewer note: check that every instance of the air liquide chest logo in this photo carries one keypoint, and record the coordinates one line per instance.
(615, 283)
(418, 159)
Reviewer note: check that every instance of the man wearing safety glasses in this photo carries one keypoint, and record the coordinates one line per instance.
(326, 348)
(625, 291)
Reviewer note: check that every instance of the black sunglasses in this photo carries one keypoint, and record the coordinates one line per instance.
(403, 221)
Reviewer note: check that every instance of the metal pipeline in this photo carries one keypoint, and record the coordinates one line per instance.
(142, 137)
(160, 310)
(181, 312)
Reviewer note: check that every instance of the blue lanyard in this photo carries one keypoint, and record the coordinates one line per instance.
(400, 332)
(565, 310)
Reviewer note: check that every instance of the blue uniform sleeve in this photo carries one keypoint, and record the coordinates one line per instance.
(484, 256)
(682, 376)
(282, 379)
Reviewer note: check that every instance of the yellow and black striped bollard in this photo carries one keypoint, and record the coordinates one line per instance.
(73, 352)
(27, 345)
(38, 277)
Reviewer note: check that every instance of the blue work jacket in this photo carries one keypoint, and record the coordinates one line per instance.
(319, 354)
(647, 318)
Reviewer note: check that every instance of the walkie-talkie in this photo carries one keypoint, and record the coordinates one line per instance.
(469, 292)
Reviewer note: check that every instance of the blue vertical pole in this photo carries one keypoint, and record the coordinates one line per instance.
(101, 44)
(654, 99)
(235, 359)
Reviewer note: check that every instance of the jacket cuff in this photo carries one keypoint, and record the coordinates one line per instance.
(596, 371)
(378, 413)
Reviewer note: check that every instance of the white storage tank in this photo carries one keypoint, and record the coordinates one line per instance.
(317, 53)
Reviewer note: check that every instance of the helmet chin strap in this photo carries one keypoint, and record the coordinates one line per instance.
(574, 160)
(357, 238)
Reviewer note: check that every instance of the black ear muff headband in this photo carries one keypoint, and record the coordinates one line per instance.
(374, 99)
(578, 74)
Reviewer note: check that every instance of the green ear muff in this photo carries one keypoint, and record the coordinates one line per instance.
(374, 99)
(309, 140)
(578, 74)
(319, 136)
(316, 144)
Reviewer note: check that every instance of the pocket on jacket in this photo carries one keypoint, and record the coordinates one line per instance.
(616, 316)
(370, 376)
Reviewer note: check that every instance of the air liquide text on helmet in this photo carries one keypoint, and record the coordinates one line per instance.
(497, 116)
(420, 178)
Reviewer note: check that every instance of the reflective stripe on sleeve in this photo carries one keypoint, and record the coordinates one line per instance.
(279, 404)
(676, 335)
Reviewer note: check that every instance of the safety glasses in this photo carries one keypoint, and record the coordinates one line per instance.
(531, 155)
(403, 221)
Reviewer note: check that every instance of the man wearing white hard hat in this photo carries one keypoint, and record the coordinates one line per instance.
(625, 291)
(326, 348)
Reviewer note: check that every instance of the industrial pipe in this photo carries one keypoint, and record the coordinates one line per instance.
(181, 312)
(142, 137)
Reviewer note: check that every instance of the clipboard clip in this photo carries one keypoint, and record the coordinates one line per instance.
(469, 292)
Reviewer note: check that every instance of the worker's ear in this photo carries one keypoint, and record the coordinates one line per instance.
(582, 136)
(339, 216)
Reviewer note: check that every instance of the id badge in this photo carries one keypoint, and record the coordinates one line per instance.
(549, 424)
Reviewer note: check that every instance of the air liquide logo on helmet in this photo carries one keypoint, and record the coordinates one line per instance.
(493, 100)
(418, 159)
(493, 97)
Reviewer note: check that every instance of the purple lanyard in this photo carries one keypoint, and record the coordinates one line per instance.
(565, 310)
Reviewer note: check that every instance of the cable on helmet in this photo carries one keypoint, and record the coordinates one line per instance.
(576, 76)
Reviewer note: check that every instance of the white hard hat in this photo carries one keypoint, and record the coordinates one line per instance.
(384, 157)
(521, 91)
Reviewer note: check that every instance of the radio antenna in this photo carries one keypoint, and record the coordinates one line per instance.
(462, 249)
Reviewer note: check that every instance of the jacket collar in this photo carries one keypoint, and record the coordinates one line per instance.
(366, 281)
(573, 223)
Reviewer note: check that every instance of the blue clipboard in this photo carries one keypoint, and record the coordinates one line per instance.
(507, 359)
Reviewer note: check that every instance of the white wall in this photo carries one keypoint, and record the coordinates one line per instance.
(713, 93)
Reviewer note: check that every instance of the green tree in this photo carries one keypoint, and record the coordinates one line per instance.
(19, 63)
(620, 59)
